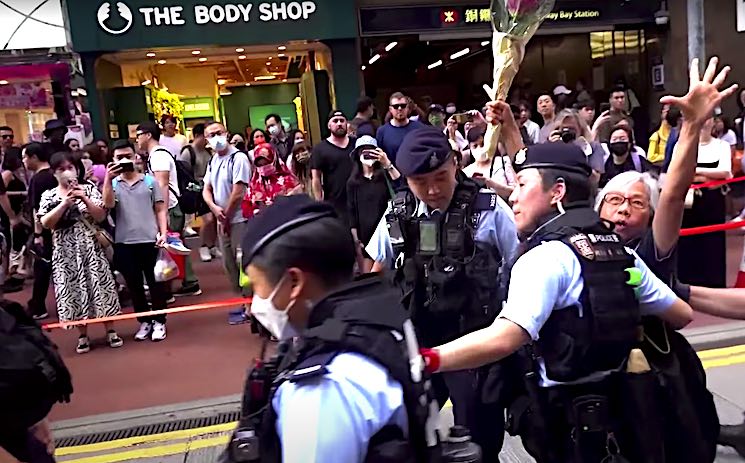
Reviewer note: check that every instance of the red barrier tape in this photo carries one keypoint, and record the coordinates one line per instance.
(716, 183)
(129, 316)
(711, 228)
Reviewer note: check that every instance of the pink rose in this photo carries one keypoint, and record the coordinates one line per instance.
(520, 7)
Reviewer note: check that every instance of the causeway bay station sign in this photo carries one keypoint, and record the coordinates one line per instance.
(130, 24)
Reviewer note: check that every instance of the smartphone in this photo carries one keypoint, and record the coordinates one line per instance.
(370, 155)
(604, 107)
(462, 118)
(126, 166)
(73, 182)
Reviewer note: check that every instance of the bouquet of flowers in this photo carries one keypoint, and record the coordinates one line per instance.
(514, 23)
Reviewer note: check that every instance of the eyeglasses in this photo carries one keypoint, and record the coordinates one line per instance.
(617, 200)
(399, 106)
(7, 137)
(138, 133)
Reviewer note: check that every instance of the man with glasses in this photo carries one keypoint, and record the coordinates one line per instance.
(141, 228)
(7, 137)
(391, 135)
(228, 173)
(162, 165)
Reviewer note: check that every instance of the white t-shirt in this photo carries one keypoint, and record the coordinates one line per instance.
(161, 160)
(729, 137)
(716, 151)
(173, 144)
(534, 131)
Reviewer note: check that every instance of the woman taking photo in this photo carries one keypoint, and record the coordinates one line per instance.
(83, 283)
(301, 169)
(270, 178)
(369, 189)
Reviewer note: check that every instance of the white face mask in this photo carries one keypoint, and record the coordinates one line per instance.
(274, 130)
(275, 320)
(480, 154)
(218, 142)
(367, 162)
(450, 109)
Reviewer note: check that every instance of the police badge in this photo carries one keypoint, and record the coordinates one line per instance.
(582, 244)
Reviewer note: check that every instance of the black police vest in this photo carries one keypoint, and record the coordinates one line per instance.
(575, 346)
(367, 318)
(459, 289)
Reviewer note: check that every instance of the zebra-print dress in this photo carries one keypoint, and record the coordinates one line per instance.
(83, 284)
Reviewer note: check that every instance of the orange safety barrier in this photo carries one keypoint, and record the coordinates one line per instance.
(129, 316)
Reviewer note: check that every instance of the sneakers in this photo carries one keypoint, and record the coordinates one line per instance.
(204, 254)
(189, 232)
(175, 245)
(114, 339)
(84, 345)
(189, 290)
(41, 316)
(144, 331)
(216, 253)
(170, 300)
(159, 332)
(237, 317)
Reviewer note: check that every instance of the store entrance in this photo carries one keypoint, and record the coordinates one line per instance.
(237, 85)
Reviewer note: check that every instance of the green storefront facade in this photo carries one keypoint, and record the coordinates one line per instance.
(95, 29)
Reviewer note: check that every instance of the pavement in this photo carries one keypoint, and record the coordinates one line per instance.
(199, 371)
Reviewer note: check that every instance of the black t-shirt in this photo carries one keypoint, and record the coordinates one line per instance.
(612, 169)
(662, 266)
(42, 181)
(336, 166)
(367, 201)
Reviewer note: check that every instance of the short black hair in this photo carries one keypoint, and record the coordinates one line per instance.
(168, 117)
(59, 158)
(673, 116)
(250, 142)
(364, 103)
(122, 144)
(617, 89)
(198, 130)
(37, 150)
(578, 186)
(275, 116)
(151, 128)
(70, 140)
(584, 103)
(6, 128)
(475, 133)
(323, 248)
(629, 132)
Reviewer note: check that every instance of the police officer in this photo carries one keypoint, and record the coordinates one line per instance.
(352, 387)
(576, 297)
(452, 241)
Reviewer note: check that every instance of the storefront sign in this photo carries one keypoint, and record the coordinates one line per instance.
(567, 13)
(127, 24)
(27, 24)
(26, 95)
(198, 108)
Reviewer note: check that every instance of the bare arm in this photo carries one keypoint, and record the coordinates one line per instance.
(482, 347)
(52, 217)
(679, 315)
(236, 195)
(162, 178)
(317, 184)
(161, 216)
(500, 112)
(696, 106)
(719, 302)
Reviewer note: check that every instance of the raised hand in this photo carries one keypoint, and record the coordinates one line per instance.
(704, 94)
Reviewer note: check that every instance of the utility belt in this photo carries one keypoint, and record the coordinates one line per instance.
(616, 419)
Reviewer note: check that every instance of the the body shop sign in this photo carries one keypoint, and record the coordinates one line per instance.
(126, 24)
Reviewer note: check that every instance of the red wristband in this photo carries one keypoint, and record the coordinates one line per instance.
(431, 359)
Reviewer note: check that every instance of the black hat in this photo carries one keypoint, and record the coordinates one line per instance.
(560, 156)
(436, 108)
(423, 151)
(53, 124)
(285, 214)
(336, 113)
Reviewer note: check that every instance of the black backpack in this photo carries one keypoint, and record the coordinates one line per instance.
(33, 376)
(189, 189)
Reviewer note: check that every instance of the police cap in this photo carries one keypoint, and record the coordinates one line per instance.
(286, 214)
(560, 156)
(423, 151)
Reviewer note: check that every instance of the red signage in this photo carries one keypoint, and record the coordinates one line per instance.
(449, 17)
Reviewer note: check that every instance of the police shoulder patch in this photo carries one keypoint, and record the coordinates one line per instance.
(521, 156)
(583, 246)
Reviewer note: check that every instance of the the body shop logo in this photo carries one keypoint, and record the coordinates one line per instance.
(113, 25)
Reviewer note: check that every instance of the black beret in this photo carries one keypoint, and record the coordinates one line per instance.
(422, 151)
(560, 156)
(286, 214)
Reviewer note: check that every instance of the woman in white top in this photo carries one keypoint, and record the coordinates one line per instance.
(497, 171)
(723, 131)
(702, 258)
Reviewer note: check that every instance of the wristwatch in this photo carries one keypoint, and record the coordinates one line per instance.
(390, 167)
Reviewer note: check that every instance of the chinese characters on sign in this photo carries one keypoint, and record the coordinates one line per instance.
(483, 15)
(478, 15)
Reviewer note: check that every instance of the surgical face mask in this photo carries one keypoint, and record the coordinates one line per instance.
(267, 170)
(480, 154)
(274, 130)
(619, 148)
(275, 320)
(218, 142)
(450, 109)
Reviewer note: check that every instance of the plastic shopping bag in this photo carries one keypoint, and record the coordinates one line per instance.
(165, 267)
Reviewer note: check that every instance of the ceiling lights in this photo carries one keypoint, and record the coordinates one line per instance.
(281, 48)
(162, 61)
(242, 57)
(364, 67)
(374, 58)
(4, 82)
(281, 55)
(484, 43)
(391, 46)
(221, 81)
(202, 60)
(150, 55)
(240, 50)
(435, 64)
(145, 82)
(461, 53)
(268, 63)
(248, 84)
(196, 52)
(265, 77)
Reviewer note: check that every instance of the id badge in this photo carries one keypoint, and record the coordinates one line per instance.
(429, 238)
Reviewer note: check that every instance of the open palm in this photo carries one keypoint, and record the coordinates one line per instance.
(704, 94)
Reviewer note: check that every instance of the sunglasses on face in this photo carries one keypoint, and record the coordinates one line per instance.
(7, 137)
(399, 106)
